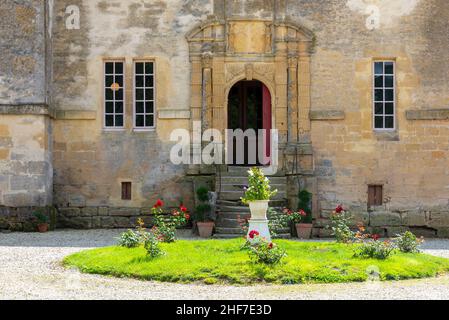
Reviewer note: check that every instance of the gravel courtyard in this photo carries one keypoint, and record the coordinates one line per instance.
(30, 269)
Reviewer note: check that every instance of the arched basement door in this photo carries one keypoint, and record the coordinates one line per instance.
(249, 107)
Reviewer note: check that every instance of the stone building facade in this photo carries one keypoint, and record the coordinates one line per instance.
(359, 94)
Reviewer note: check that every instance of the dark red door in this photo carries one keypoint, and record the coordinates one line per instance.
(267, 123)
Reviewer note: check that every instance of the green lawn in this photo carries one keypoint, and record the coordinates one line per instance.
(222, 261)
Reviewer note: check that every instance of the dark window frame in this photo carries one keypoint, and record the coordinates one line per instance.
(113, 99)
(144, 99)
(384, 95)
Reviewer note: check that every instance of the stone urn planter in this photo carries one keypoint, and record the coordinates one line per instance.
(205, 229)
(259, 221)
(42, 227)
(304, 230)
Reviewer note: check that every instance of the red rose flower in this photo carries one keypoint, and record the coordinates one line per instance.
(339, 209)
(187, 216)
(302, 212)
(253, 234)
(375, 237)
(183, 209)
(270, 245)
(159, 204)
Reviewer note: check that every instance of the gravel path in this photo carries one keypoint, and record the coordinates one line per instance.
(30, 269)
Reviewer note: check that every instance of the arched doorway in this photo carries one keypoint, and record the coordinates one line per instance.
(249, 109)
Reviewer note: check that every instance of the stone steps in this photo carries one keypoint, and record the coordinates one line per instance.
(236, 195)
(230, 210)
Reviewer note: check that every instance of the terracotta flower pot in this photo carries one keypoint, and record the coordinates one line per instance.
(205, 229)
(42, 227)
(304, 230)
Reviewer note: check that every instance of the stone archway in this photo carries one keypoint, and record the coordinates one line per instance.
(223, 52)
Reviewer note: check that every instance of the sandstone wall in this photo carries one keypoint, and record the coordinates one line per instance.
(25, 129)
(90, 162)
(22, 47)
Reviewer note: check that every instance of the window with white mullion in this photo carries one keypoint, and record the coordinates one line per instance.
(114, 94)
(384, 95)
(144, 95)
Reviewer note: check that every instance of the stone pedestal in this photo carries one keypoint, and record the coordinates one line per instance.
(261, 226)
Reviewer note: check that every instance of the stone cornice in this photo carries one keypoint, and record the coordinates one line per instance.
(431, 114)
(24, 109)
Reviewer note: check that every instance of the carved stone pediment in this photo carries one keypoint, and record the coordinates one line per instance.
(248, 37)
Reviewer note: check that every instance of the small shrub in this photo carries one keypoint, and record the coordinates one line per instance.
(164, 228)
(407, 242)
(203, 209)
(340, 222)
(304, 204)
(129, 239)
(259, 187)
(152, 246)
(262, 251)
(375, 249)
(40, 217)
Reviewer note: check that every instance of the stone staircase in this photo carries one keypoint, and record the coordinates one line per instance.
(230, 188)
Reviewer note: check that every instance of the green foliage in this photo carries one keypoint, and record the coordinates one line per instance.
(165, 225)
(164, 228)
(407, 242)
(203, 194)
(202, 210)
(259, 187)
(129, 239)
(375, 249)
(304, 203)
(152, 247)
(223, 261)
(295, 217)
(340, 223)
(265, 252)
(40, 217)
(277, 222)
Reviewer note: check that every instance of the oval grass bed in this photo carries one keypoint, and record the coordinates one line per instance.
(223, 261)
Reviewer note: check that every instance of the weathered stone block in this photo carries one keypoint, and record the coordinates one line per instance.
(77, 201)
(393, 231)
(122, 222)
(443, 232)
(360, 218)
(380, 219)
(38, 167)
(107, 222)
(103, 211)
(28, 182)
(70, 212)
(89, 211)
(80, 222)
(414, 218)
(124, 212)
(17, 199)
(438, 219)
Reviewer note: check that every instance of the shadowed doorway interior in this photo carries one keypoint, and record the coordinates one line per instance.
(249, 107)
